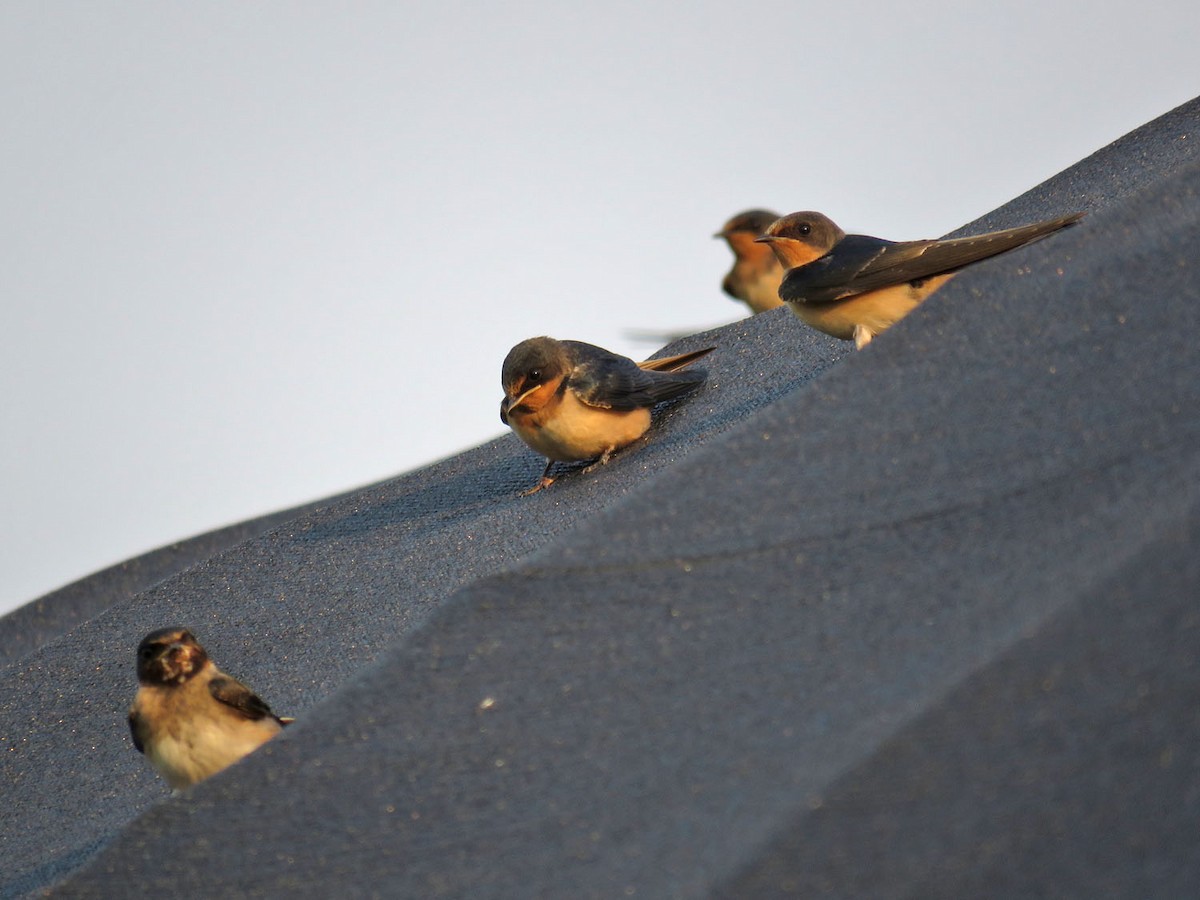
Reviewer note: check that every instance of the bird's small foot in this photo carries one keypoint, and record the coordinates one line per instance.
(545, 482)
(602, 461)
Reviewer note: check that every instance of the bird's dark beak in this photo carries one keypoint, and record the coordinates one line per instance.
(764, 239)
(721, 234)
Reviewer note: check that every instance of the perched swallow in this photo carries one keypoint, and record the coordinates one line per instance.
(189, 718)
(756, 273)
(853, 286)
(572, 401)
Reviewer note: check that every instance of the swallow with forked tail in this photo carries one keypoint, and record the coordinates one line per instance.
(572, 401)
(756, 273)
(853, 286)
(189, 718)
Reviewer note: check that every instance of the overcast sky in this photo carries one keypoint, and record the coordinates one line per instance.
(258, 253)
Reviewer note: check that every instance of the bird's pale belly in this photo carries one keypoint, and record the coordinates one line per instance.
(874, 311)
(202, 745)
(759, 292)
(763, 295)
(576, 431)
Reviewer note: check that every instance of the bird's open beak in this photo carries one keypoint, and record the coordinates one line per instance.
(516, 401)
(165, 651)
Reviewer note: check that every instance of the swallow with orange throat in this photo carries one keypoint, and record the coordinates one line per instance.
(756, 273)
(853, 286)
(572, 401)
(189, 718)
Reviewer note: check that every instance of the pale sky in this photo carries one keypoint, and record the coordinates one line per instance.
(259, 253)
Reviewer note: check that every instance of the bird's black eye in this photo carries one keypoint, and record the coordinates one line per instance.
(805, 228)
(534, 375)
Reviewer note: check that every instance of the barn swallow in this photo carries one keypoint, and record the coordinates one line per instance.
(756, 273)
(189, 718)
(572, 401)
(853, 286)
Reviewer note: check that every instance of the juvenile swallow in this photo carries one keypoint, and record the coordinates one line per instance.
(572, 401)
(189, 718)
(756, 273)
(853, 286)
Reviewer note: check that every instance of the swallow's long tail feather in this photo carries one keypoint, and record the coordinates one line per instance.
(677, 385)
(997, 242)
(675, 363)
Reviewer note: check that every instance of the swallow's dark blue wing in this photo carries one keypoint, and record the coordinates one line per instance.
(608, 381)
(237, 696)
(859, 263)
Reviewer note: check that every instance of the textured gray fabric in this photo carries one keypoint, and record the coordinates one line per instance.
(29, 626)
(920, 623)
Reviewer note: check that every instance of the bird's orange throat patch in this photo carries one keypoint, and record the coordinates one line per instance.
(532, 407)
(793, 253)
(744, 244)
